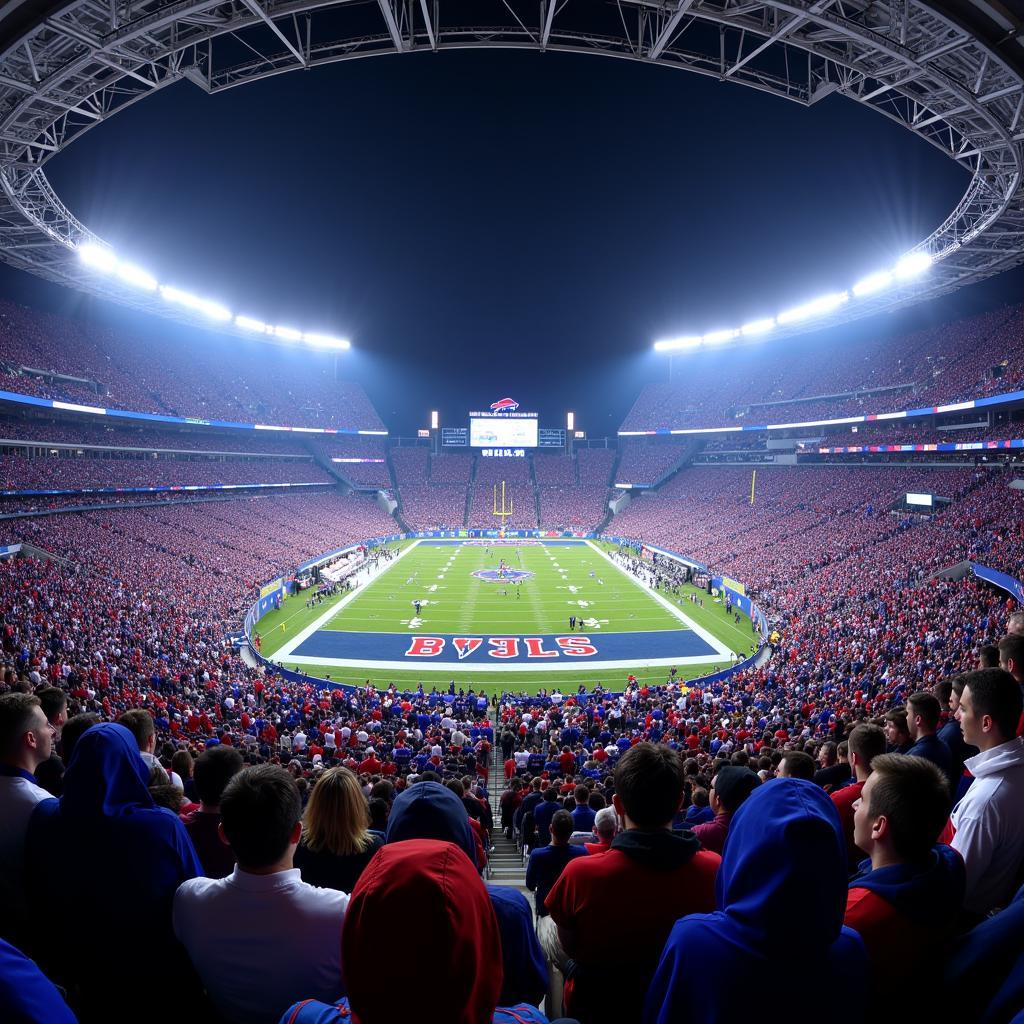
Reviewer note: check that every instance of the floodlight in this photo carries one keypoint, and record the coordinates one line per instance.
(98, 257)
(912, 264)
(288, 333)
(434, 419)
(872, 283)
(247, 323)
(816, 307)
(212, 309)
(676, 344)
(758, 326)
(133, 275)
(570, 421)
(325, 341)
(717, 337)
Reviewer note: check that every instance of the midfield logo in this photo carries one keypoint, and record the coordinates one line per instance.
(503, 646)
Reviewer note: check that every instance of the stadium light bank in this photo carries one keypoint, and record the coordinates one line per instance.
(103, 260)
(912, 265)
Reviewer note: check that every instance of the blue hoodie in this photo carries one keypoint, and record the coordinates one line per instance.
(129, 855)
(27, 996)
(428, 810)
(781, 894)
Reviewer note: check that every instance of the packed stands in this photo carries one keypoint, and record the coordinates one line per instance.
(554, 471)
(451, 469)
(945, 364)
(286, 387)
(56, 473)
(519, 493)
(649, 463)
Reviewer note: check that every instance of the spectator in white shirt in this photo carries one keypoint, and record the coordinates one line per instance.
(988, 821)
(26, 740)
(261, 937)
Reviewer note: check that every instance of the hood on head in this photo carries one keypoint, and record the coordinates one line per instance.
(455, 977)
(106, 775)
(784, 867)
(429, 810)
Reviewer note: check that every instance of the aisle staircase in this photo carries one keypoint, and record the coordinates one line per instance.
(506, 863)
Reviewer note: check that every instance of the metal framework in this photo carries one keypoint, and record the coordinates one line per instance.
(954, 81)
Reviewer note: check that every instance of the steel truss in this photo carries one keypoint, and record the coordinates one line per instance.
(82, 64)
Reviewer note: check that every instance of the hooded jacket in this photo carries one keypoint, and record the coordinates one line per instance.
(26, 995)
(618, 909)
(454, 976)
(990, 827)
(107, 829)
(428, 810)
(781, 892)
(905, 913)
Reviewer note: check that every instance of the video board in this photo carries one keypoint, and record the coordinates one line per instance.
(501, 431)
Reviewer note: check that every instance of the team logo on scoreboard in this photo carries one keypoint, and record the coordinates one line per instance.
(504, 405)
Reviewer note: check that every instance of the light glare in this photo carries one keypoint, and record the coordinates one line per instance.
(816, 307)
(288, 333)
(325, 340)
(758, 326)
(211, 309)
(674, 344)
(717, 337)
(872, 283)
(97, 257)
(247, 323)
(912, 264)
(136, 276)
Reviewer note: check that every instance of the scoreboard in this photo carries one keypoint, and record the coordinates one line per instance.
(504, 430)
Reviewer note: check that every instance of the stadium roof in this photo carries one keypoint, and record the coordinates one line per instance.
(950, 73)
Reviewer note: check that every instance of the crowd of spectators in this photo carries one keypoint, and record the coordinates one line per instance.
(944, 364)
(55, 472)
(554, 470)
(648, 463)
(433, 506)
(199, 377)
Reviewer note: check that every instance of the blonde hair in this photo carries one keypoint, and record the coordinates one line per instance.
(337, 817)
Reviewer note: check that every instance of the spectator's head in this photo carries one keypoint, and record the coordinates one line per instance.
(551, 794)
(896, 732)
(785, 850)
(214, 769)
(337, 817)
(73, 730)
(866, 741)
(827, 756)
(923, 712)
(140, 724)
(429, 810)
(795, 764)
(259, 818)
(596, 801)
(988, 656)
(990, 707)
(942, 690)
(648, 786)
(457, 974)
(956, 691)
(606, 824)
(902, 809)
(730, 787)
(1011, 655)
(561, 828)
(581, 794)
(55, 706)
(26, 737)
(1015, 623)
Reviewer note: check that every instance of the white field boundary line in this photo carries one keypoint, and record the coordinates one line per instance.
(286, 649)
(678, 613)
(423, 665)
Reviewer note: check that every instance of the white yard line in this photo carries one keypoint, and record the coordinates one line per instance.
(707, 637)
(285, 650)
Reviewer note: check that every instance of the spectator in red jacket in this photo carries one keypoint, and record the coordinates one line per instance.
(866, 742)
(906, 899)
(618, 908)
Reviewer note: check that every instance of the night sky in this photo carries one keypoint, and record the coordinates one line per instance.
(484, 224)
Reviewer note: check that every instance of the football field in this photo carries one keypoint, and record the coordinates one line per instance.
(502, 615)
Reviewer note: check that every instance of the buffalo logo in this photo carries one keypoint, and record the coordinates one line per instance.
(504, 405)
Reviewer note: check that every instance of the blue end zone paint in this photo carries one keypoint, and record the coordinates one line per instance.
(542, 542)
(370, 647)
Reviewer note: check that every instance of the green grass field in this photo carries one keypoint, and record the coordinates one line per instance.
(455, 602)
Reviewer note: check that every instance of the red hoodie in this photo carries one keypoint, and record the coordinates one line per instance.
(455, 977)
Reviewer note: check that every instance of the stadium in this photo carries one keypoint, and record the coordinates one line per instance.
(498, 535)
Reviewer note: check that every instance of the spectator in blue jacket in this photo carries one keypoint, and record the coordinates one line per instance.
(923, 713)
(781, 893)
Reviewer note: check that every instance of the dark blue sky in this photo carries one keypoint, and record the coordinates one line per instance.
(484, 224)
